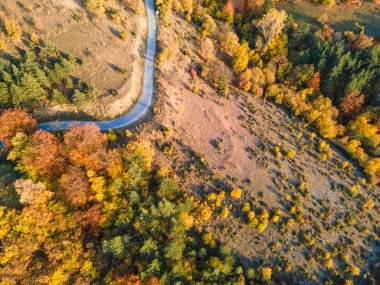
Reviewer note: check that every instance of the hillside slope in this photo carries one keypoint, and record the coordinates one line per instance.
(108, 40)
(279, 163)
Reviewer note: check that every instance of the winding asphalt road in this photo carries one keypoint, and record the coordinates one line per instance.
(147, 92)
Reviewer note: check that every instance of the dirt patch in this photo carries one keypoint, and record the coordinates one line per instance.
(70, 4)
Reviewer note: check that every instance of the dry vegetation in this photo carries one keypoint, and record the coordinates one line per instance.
(220, 185)
(108, 38)
(303, 206)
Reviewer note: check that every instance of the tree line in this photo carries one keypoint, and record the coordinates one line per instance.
(41, 74)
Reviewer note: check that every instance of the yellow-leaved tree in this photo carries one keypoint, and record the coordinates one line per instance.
(42, 243)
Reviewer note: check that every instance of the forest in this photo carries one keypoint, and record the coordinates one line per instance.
(86, 212)
(90, 207)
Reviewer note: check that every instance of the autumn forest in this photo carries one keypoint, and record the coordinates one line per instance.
(257, 163)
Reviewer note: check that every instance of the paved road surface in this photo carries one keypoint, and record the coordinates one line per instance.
(147, 92)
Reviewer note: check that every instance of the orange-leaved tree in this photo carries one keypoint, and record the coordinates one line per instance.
(86, 146)
(44, 155)
(13, 122)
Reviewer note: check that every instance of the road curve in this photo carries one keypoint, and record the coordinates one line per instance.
(145, 100)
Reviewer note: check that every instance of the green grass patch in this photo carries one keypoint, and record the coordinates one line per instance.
(342, 17)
